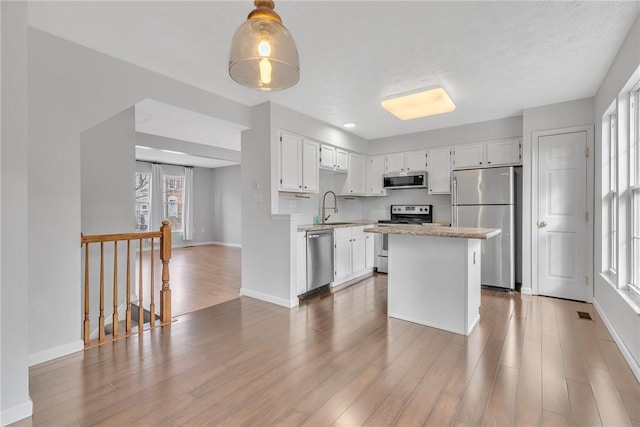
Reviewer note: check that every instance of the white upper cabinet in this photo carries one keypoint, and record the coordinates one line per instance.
(356, 178)
(342, 159)
(298, 164)
(310, 160)
(504, 152)
(439, 169)
(375, 170)
(328, 156)
(468, 156)
(487, 154)
(290, 162)
(394, 163)
(405, 162)
(415, 160)
(334, 158)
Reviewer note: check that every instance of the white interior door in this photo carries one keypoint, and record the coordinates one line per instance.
(562, 206)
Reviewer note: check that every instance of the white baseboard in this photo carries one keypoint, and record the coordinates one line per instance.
(233, 245)
(526, 291)
(187, 244)
(269, 298)
(633, 364)
(17, 412)
(55, 352)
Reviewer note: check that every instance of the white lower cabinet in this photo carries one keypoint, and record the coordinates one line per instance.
(302, 262)
(353, 254)
(369, 258)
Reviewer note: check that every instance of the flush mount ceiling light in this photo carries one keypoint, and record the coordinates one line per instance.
(263, 53)
(421, 103)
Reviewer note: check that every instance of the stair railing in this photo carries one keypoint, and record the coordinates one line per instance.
(103, 334)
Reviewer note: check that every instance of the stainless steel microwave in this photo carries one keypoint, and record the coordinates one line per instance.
(413, 179)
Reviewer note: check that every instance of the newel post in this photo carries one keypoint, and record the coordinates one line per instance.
(165, 256)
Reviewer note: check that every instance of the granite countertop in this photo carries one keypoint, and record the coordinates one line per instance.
(330, 225)
(437, 231)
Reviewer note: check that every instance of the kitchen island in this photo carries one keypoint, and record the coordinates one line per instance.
(434, 274)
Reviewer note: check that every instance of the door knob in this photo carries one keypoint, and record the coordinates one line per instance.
(542, 224)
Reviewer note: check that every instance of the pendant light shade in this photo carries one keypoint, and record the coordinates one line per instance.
(263, 53)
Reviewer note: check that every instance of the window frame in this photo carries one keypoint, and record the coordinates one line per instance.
(169, 182)
(612, 194)
(148, 203)
(634, 187)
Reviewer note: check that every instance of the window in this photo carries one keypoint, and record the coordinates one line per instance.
(634, 150)
(143, 200)
(612, 194)
(173, 198)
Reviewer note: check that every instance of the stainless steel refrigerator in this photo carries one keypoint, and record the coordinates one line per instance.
(486, 198)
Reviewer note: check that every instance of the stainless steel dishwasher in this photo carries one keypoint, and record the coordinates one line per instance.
(319, 258)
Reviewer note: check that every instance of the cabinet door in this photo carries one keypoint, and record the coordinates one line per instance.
(342, 258)
(394, 162)
(416, 160)
(302, 262)
(290, 162)
(310, 159)
(342, 159)
(357, 175)
(466, 156)
(374, 177)
(328, 157)
(369, 257)
(439, 168)
(358, 253)
(504, 152)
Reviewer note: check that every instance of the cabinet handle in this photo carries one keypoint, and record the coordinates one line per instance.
(488, 163)
(480, 163)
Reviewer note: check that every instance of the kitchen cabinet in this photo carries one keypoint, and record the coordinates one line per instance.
(353, 253)
(486, 154)
(299, 158)
(404, 162)
(375, 171)
(301, 241)
(415, 160)
(504, 152)
(355, 182)
(369, 257)
(334, 158)
(439, 169)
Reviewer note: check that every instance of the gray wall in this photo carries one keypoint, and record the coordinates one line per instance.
(226, 205)
(71, 89)
(14, 374)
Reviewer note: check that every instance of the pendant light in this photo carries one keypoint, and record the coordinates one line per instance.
(263, 53)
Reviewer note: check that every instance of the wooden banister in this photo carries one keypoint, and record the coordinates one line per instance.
(164, 236)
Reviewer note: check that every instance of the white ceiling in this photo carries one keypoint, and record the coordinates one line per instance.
(494, 58)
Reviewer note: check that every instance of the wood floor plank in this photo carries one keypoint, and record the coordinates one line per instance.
(338, 359)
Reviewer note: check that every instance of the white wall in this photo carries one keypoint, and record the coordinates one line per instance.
(266, 237)
(623, 321)
(72, 88)
(226, 205)
(14, 374)
(474, 132)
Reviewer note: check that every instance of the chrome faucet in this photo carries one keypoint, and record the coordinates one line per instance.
(335, 205)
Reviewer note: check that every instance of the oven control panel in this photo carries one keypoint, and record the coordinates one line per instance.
(411, 209)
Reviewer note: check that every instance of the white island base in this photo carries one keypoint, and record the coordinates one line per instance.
(434, 281)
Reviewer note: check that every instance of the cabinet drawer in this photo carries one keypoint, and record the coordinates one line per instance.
(342, 233)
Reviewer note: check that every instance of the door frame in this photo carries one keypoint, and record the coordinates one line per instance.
(533, 228)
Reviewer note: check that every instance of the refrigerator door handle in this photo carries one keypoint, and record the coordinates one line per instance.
(454, 201)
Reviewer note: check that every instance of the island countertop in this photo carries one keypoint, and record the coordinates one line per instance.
(332, 225)
(437, 231)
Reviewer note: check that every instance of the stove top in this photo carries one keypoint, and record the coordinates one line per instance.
(409, 214)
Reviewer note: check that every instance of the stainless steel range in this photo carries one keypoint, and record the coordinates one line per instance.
(400, 215)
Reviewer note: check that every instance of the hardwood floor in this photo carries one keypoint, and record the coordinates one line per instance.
(338, 360)
(200, 277)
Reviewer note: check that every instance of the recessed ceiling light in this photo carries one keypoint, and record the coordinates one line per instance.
(421, 103)
(349, 125)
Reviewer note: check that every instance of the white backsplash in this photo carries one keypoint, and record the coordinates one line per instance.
(379, 207)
